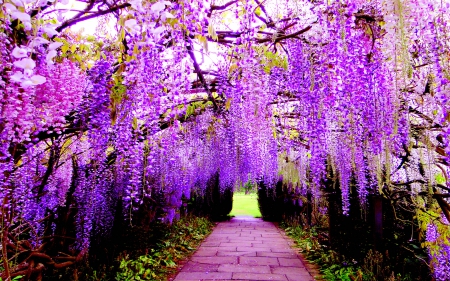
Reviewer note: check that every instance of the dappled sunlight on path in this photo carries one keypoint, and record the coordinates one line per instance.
(245, 248)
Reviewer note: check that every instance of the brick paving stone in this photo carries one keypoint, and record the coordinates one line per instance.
(196, 267)
(226, 248)
(295, 277)
(258, 261)
(214, 260)
(216, 239)
(235, 244)
(203, 275)
(281, 250)
(276, 242)
(211, 244)
(250, 239)
(251, 248)
(219, 236)
(245, 248)
(276, 255)
(236, 254)
(290, 262)
(256, 243)
(244, 268)
(205, 253)
(272, 240)
(290, 270)
(250, 235)
(221, 280)
(259, 276)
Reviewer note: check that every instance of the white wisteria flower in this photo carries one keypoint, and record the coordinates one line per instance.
(49, 57)
(137, 5)
(157, 31)
(38, 79)
(24, 17)
(27, 81)
(55, 45)
(49, 29)
(166, 15)
(158, 7)
(18, 3)
(37, 41)
(26, 64)
(17, 76)
(10, 7)
(19, 53)
(132, 26)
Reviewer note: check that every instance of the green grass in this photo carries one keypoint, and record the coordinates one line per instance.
(245, 205)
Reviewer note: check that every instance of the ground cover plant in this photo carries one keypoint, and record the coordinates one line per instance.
(167, 103)
(181, 239)
(336, 267)
(145, 255)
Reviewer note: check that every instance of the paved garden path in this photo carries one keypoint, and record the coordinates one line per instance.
(245, 248)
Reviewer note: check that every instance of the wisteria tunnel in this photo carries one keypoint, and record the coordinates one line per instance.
(122, 118)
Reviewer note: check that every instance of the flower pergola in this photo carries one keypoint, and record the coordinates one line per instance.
(183, 90)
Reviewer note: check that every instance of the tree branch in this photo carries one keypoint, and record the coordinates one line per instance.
(199, 72)
(223, 7)
(76, 20)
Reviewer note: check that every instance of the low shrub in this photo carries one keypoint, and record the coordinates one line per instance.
(336, 267)
(180, 240)
(145, 253)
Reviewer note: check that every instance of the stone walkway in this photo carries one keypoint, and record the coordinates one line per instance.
(245, 248)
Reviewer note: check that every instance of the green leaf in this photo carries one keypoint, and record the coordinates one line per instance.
(440, 179)
(78, 58)
(258, 11)
(64, 48)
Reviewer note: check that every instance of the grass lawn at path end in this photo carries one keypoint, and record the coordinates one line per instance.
(245, 205)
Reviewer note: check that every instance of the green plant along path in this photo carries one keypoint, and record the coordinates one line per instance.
(334, 266)
(178, 242)
(245, 205)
